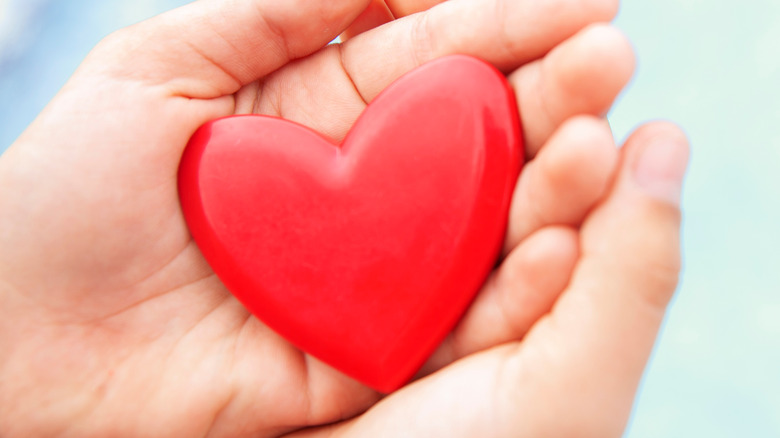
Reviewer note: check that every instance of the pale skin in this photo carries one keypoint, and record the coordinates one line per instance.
(112, 324)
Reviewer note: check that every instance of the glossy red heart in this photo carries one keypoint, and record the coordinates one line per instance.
(364, 255)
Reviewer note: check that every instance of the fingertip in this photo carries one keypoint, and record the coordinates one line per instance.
(576, 132)
(551, 245)
(534, 274)
(376, 14)
(583, 75)
(606, 40)
(607, 9)
(584, 130)
(565, 181)
(658, 154)
(402, 8)
(593, 68)
(656, 128)
(583, 155)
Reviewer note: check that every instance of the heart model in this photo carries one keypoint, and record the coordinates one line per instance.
(365, 254)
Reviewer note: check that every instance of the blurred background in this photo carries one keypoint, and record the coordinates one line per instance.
(714, 67)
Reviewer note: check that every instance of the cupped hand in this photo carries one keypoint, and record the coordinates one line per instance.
(574, 371)
(112, 324)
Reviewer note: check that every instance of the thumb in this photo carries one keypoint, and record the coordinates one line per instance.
(598, 339)
(211, 48)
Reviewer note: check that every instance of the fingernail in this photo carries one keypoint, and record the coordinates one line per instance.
(661, 167)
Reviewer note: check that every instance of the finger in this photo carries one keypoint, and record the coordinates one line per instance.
(522, 290)
(503, 32)
(209, 49)
(577, 371)
(402, 8)
(376, 14)
(606, 322)
(583, 75)
(380, 12)
(565, 181)
(631, 242)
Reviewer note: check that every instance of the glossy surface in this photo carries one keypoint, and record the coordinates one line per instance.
(364, 255)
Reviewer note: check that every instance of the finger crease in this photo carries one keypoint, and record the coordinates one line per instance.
(421, 40)
(214, 63)
(340, 50)
(278, 33)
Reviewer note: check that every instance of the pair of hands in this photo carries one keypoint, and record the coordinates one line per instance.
(112, 324)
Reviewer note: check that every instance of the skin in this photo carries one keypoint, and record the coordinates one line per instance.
(112, 324)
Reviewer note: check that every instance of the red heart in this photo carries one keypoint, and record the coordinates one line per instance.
(364, 255)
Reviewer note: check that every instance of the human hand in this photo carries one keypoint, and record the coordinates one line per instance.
(112, 322)
(574, 372)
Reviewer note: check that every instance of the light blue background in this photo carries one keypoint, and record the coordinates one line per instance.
(714, 67)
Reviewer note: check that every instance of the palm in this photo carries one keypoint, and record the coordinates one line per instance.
(124, 281)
